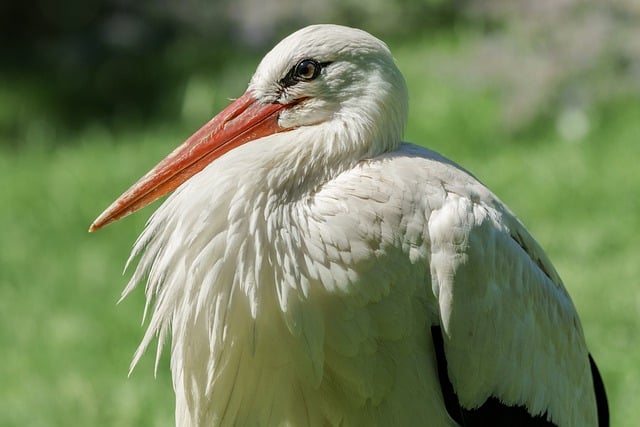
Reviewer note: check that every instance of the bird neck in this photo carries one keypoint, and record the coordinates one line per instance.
(297, 163)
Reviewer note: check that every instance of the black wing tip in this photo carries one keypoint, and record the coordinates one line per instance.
(601, 394)
(450, 397)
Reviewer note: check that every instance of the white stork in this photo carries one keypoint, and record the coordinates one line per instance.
(313, 270)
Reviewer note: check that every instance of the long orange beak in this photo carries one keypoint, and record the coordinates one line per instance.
(242, 121)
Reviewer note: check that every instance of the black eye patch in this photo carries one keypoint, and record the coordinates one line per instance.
(304, 71)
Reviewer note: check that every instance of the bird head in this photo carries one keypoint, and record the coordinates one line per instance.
(330, 74)
(329, 79)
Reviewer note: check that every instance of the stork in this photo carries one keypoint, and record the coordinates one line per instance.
(311, 269)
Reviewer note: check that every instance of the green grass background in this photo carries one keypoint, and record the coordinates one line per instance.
(66, 345)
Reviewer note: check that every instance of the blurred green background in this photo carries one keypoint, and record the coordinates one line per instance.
(540, 99)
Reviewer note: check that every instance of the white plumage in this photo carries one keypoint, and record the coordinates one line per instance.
(299, 275)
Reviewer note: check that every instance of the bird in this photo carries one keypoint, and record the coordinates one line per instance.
(310, 268)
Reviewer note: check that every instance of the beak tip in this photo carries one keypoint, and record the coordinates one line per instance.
(100, 222)
(95, 225)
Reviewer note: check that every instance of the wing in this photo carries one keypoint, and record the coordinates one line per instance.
(511, 339)
(508, 341)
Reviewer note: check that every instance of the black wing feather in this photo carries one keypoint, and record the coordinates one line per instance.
(601, 395)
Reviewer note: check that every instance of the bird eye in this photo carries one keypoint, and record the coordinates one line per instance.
(307, 69)
(303, 71)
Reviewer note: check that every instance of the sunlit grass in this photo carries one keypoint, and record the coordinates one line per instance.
(67, 346)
